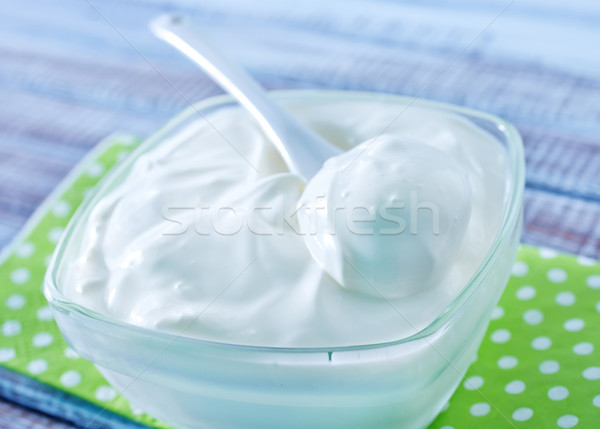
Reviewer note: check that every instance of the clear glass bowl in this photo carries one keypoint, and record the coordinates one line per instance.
(190, 383)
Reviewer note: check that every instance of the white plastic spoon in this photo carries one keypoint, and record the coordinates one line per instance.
(303, 151)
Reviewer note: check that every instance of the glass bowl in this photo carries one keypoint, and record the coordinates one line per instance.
(191, 383)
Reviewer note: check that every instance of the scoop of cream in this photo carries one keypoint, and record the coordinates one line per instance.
(386, 217)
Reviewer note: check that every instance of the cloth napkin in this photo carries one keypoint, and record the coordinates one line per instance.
(538, 365)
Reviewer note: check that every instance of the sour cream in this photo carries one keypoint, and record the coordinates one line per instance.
(208, 235)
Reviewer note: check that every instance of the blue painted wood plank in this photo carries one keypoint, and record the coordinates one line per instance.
(68, 78)
(32, 394)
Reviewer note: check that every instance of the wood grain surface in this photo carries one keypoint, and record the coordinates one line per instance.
(75, 71)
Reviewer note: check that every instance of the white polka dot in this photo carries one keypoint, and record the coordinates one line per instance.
(10, 328)
(558, 393)
(593, 282)
(70, 378)
(480, 409)
(136, 411)
(15, 301)
(44, 314)
(596, 401)
(447, 427)
(585, 261)
(42, 339)
(88, 191)
(526, 292)
(95, 169)
(519, 269)
(547, 253)
(522, 414)
(565, 298)
(515, 387)
(20, 276)
(500, 336)
(70, 353)
(37, 366)
(574, 325)
(557, 275)
(497, 313)
(473, 383)
(25, 250)
(47, 260)
(592, 373)
(55, 233)
(105, 393)
(549, 367)
(61, 208)
(567, 421)
(583, 348)
(127, 140)
(541, 343)
(533, 317)
(7, 354)
(122, 155)
(598, 306)
(507, 362)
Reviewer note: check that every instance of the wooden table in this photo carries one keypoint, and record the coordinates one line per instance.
(72, 72)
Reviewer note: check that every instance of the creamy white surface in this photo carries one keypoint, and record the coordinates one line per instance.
(265, 288)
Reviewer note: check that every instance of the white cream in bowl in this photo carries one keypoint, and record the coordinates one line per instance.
(207, 236)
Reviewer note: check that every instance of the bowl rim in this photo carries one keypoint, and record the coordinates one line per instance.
(516, 165)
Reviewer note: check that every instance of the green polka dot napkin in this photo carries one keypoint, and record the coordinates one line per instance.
(30, 342)
(538, 366)
(539, 363)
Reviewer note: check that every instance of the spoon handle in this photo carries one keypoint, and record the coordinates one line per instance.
(303, 151)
